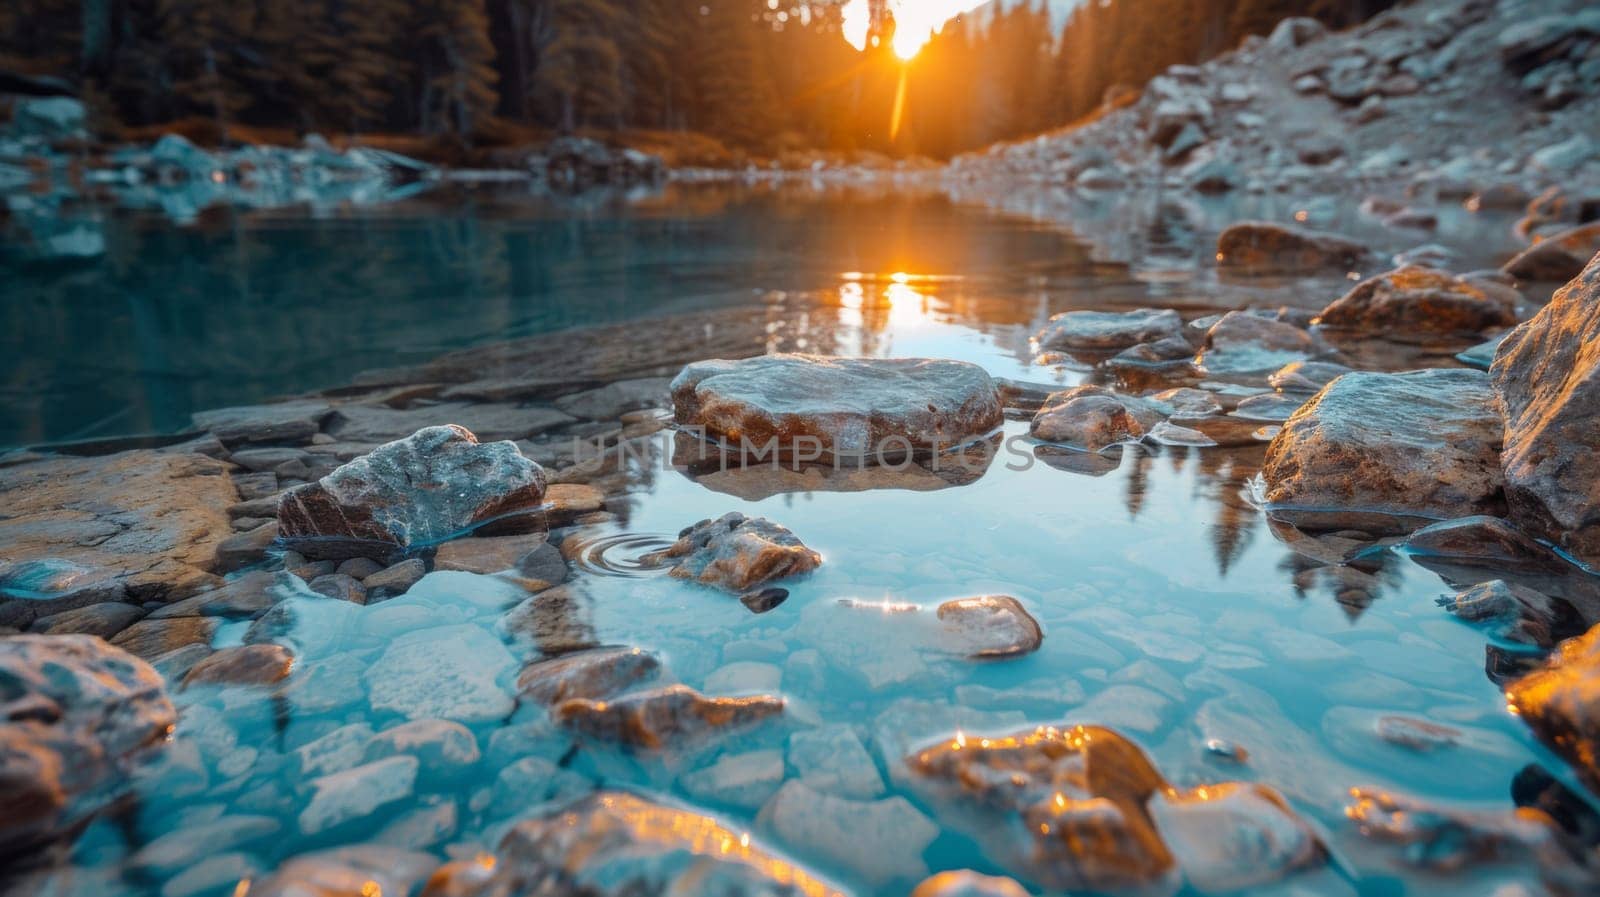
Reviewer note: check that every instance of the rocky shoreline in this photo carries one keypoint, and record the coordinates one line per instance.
(300, 554)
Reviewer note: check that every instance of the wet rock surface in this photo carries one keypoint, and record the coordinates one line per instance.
(78, 713)
(1093, 418)
(991, 626)
(877, 409)
(1388, 453)
(1083, 809)
(1548, 381)
(1264, 247)
(656, 718)
(1557, 259)
(1102, 331)
(615, 843)
(1561, 703)
(736, 553)
(433, 485)
(1415, 301)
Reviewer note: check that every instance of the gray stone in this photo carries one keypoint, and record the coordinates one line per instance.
(395, 580)
(286, 422)
(359, 568)
(833, 760)
(1245, 343)
(1386, 453)
(358, 793)
(1093, 418)
(736, 553)
(246, 549)
(611, 401)
(429, 487)
(104, 620)
(448, 672)
(745, 781)
(878, 841)
(447, 750)
(863, 408)
(339, 587)
(990, 626)
(1108, 331)
(373, 424)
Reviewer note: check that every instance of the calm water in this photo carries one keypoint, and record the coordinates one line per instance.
(1172, 612)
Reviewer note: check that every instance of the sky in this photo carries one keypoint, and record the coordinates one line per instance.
(918, 20)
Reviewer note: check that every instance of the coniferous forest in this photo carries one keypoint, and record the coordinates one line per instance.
(758, 79)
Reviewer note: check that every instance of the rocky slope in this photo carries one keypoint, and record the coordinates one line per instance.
(1451, 98)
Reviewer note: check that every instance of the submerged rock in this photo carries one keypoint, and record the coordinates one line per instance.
(434, 485)
(1108, 330)
(736, 553)
(879, 841)
(617, 844)
(364, 871)
(79, 714)
(447, 672)
(812, 406)
(1548, 378)
(1448, 839)
(1386, 453)
(1522, 614)
(595, 674)
(1418, 300)
(966, 883)
(1084, 809)
(242, 665)
(991, 626)
(1557, 258)
(1561, 703)
(1259, 246)
(654, 718)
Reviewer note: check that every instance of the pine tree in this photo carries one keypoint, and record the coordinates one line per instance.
(456, 77)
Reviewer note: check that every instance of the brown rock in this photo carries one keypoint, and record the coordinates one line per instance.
(736, 553)
(655, 718)
(247, 548)
(1415, 301)
(104, 620)
(1387, 453)
(1548, 377)
(1092, 418)
(1107, 331)
(395, 580)
(1259, 246)
(1561, 703)
(78, 712)
(150, 639)
(242, 665)
(486, 554)
(1558, 258)
(991, 626)
(141, 523)
(597, 674)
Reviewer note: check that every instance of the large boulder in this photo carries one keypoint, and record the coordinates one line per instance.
(1263, 247)
(736, 553)
(859, 408)
(1415, 300)
(434, 485)
(1386, 453)
(1547, 373)
(141, 525)
(1558, 258)
(78, 714)
(617, 844)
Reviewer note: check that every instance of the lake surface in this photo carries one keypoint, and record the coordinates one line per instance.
(1172, 611)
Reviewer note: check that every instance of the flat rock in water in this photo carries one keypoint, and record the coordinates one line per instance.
(611, 401)
(617, 844)
(373, 424)
(655, 718)
(596, 674)
(1108, 330)
(250, 595)
(1414, 302)
(1558, 258)
(1234, 836)
(431, 486)
(736, 553)
(991, 626)
(284, 422)
(1246, 343)
(150, 639)
(143, 525)
(1548, 377)
(242, 665)
(1263, 247)
(809, 406)
(1386, 453)
(448, 672)
(737, 780)
(80, 713)
(487, 554)
(104, 620)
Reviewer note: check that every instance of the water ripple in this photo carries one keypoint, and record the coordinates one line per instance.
(620, 554)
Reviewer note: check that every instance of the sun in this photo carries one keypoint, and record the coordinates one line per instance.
(915, 22)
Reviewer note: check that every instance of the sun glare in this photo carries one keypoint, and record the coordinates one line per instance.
(915, 22)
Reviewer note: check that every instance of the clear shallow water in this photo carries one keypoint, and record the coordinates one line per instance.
(1171, 610)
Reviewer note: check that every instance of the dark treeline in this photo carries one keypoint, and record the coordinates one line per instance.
(758, 79)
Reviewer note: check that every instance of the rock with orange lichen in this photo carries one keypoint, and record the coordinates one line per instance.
(1388, 453)
(1547, 374)
(1082, 808)
(873, 409)
(736, 553)
(617, 844)
(1415, 301)
(78, 714)
(1561, 703)
(656, 718)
